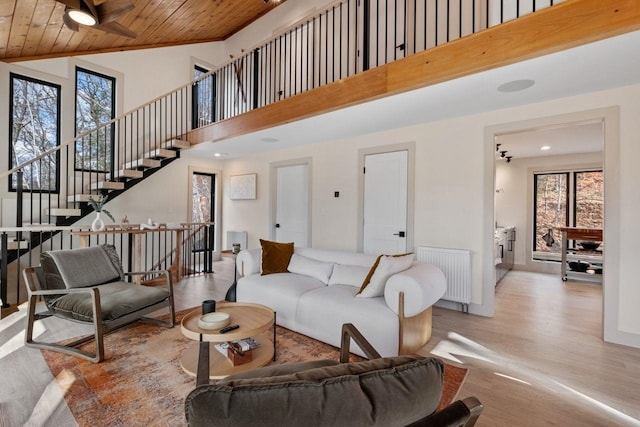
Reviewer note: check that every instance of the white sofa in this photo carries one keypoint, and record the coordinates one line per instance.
(397, 323)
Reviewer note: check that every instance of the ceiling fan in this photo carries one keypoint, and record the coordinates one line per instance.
(101, 16)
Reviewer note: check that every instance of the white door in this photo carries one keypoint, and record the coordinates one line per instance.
(385, 203)
(292, 205)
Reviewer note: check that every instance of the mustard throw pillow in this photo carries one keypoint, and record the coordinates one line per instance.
(384, 267)
(275, 256)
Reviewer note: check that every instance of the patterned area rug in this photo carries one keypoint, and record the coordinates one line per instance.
(141, 382)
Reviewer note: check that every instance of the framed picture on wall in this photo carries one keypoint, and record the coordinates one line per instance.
(242, 187)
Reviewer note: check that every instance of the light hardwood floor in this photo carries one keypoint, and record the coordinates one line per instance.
(539, 362)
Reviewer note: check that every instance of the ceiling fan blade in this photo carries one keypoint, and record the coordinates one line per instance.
(115, 28)
(71, 4)
(70, 23)
(111, 10)
(92, 9)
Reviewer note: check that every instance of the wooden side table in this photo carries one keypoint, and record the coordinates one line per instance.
(254, 319)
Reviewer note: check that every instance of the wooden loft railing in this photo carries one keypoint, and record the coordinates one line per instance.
(565, 25)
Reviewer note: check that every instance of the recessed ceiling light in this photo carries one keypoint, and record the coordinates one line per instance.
(516, 85)
(219, 154)
(267, 139)
(545, 148)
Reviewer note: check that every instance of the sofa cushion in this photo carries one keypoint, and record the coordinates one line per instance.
(78, 268)
(352, 275)
(381, 392)
(275, 256)
(279, 291)
(310, 267)
(322, 311)
(117, 299)
(387, 266)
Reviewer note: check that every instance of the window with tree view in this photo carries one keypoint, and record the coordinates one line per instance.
(204, 97)
(574, 199)
(34, 129)
(95, 106)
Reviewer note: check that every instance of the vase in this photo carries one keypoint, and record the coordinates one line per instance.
(98, 223)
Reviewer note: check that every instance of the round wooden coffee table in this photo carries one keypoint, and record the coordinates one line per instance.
(253, 319)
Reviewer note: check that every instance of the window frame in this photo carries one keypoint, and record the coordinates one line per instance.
(75, 118)
(571, 202)
(58, 88)
(535, 202)
(195, 96)
(575, 190)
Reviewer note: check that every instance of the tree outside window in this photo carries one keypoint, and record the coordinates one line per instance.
(204, 94)
(95, 106)
(35, 129)
(589, 212)
(559, 194)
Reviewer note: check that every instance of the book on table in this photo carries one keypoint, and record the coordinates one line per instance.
(245, 343)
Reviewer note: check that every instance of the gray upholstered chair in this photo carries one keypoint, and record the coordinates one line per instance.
(394, 391)
(88, 286)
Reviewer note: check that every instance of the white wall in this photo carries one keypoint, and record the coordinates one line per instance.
(513, 198)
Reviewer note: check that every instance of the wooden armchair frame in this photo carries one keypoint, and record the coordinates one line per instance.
(100, 327)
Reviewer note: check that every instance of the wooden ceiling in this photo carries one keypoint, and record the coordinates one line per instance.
(33, 29)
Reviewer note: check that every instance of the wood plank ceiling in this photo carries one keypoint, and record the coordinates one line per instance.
(33, 29)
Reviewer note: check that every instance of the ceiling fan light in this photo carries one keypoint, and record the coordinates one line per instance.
(82, 17)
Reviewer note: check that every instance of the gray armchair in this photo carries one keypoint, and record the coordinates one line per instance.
(394, 391)
(88, 286)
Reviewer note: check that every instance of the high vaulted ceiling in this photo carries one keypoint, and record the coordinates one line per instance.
(31, 29)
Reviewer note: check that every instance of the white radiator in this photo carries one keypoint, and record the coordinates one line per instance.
(456, 266)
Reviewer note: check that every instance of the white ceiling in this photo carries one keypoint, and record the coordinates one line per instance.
(568, 139)
(606, 64)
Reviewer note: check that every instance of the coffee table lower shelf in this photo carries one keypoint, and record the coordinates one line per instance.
(221, 366)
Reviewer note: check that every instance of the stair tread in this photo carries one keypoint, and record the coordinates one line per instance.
(63, 212)
(143, 163)
(80, 197)
(105, 185)
(178, 143)
(160, 152)
(127, 173)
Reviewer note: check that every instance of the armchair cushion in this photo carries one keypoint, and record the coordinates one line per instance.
(381, 392)
(79, 268)
(117, 299)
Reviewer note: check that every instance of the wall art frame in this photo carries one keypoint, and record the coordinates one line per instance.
(243, 187)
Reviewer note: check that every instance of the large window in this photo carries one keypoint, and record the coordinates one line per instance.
(95, 106)
(573, 198)
(34, 129)
(204, 98)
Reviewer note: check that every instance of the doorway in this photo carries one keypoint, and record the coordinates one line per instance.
(547, 178)
(610, 118)
(204, 207)
(386, 202)
(291, 202)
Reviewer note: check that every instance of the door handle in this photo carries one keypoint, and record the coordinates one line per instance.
(399, 233)
(277, 225)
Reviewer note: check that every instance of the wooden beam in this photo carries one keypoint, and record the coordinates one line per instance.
(563, 26)
(351, 91)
